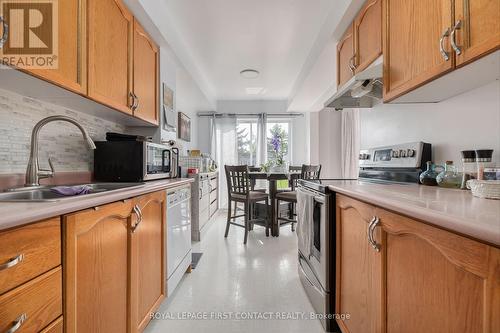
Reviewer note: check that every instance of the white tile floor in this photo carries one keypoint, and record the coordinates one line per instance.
(234, 278)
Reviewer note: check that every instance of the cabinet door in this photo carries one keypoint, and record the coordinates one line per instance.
(437, 281)
(412, 34)
(368, 34)
(110, 53)
(146, 70)
(479, 28)
(96, 265)
(72, 63)
(359, 269)
(345, 57)
(148, 259)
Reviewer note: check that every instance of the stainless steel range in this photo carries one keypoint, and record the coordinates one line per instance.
(316, 218)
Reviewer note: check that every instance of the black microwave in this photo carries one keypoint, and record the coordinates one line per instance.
(134, 161)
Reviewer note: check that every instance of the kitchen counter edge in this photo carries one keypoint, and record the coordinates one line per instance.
(17, 214)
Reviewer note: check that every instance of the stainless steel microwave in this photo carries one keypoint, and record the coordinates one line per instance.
(134, 161)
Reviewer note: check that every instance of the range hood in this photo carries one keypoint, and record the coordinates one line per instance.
(363, 90)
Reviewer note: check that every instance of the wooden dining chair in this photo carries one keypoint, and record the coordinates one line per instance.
(238, 186)
(307, 172)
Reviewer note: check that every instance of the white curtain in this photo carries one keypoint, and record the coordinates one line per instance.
(261, 139)
(350, 143)
(224, 145)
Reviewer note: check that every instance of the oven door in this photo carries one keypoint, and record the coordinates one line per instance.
(157, 161)
(317, 256)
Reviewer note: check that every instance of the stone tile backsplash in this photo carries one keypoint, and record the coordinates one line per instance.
(60, 140)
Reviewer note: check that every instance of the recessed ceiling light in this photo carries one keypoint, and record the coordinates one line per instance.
(255, 91)
(250, 73)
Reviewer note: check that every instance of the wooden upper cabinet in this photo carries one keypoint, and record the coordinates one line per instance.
(368, 34)
(345, 57)
(359, 269)
(146, 75)
(412, 34)
(97, 266)
(72, 62)
(110, 27)
(148, 259)
(478, 28)
(437, 281)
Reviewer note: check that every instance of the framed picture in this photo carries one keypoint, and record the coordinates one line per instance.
(184, 127)
(168, 107)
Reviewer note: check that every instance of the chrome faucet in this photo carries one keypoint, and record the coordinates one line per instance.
(33, 172)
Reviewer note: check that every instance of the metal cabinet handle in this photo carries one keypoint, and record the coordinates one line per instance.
(136, 102)
(458, 26)
(5, 34)
(138, 213)
(17, 324)
(132, 104)
(352, 66)
(12, 262)
(371, 228)
(445, 54)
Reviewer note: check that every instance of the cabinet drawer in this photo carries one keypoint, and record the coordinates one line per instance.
(213, 184)
(54, 327)
(28, 252)
(213, 207)
(38, 301)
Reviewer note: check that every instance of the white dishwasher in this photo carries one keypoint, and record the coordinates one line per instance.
(178, 235)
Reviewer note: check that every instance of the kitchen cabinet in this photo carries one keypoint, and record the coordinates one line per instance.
(30, 276)
(423, 278)
(359, 269)
(110, 28)
(97, 268)
(345, 57)
(72, 61)
(117, 251)
(423, 42)
(478, 28)
(368, 34)
(146, 80)
(148, 259)
(204, 202)
(413, 53)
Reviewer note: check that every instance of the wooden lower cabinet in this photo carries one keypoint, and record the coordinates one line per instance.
(114, 265)
(424, 279)
(55, 327)
(359, 269)
(148, 260)
(97, 268)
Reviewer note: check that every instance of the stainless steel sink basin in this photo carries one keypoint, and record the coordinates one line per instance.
(45, 194)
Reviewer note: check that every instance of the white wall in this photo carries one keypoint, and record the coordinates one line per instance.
(329, 143)
(467, 121)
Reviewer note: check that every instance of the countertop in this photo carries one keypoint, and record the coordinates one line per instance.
(14, 214)
(451, 209)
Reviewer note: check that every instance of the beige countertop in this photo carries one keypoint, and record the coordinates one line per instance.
(13, 214)
(451, 209)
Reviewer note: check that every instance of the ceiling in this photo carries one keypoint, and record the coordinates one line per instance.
(224, 37)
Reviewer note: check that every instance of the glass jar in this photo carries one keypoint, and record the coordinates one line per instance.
(428, 177)
(483, 161)
(449, 178)
(469, 167)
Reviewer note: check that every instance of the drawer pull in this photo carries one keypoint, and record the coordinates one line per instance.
(138, 213)
(17, 324)
(12, 262)
(371, 227)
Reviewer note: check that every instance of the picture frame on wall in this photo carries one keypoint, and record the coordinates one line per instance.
(168, 108)
(184, 127)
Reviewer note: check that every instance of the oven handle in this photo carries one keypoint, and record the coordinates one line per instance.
(307, 277)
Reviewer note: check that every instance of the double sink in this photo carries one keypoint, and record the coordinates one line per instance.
(45, 193)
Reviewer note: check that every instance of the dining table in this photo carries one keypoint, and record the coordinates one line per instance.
(272, 178)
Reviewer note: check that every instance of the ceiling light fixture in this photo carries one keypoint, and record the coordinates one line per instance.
(255, 91)
(249, 73)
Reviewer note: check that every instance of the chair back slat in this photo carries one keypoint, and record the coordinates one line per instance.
(310, 172)
(237, 178)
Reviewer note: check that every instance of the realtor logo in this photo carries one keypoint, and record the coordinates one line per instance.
(32, 39)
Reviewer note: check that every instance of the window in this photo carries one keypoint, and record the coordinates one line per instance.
(278, 136)
(278, 141)
(246, 134)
